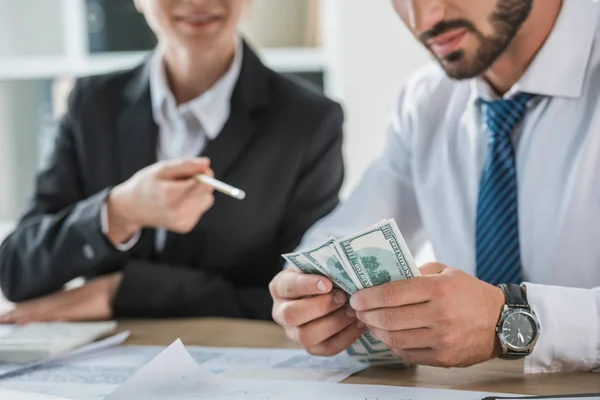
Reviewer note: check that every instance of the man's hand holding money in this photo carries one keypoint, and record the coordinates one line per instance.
(443, 318)
(398, 314)
(313, 313)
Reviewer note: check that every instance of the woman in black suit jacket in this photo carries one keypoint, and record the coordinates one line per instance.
(107, 192)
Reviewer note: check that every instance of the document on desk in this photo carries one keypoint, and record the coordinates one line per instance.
(9, 370)
(54, 377)
(184, 379)
(94, 376)
(277, 364)
(6, 330)
(14, 395)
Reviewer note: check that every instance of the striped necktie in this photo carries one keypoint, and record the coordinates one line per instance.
(497, 230)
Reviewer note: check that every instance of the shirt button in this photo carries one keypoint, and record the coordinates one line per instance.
(88, 252)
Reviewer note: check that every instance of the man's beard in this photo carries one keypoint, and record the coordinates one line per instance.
(506, 21)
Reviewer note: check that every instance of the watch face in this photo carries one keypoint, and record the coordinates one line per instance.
(519, 330)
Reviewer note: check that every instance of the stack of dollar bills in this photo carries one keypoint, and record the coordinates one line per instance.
(373, 257)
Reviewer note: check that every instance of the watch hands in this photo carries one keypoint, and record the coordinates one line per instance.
(520, 336)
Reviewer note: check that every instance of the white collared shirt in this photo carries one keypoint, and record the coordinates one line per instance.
(183, 130)
(428, 180)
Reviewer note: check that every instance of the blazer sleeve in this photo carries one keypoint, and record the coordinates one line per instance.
(58, 238)
(317, 189)
(157, 290)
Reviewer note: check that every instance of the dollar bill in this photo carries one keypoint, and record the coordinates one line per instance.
(302, 263)
(363, 351)
(367, 347)
(328, 262)
(377, 255)
(344, 262)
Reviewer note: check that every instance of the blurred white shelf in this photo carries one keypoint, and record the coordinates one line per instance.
(17, 68)
(301, 59)
(6, 228)
(56, 66)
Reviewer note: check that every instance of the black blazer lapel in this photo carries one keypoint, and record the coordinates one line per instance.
(137, 138)
(251, 93)
(137, 133)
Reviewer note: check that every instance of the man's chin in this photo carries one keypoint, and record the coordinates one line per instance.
(459, 70)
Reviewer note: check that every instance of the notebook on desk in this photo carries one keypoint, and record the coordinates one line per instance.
(39, 341)
(15, 395)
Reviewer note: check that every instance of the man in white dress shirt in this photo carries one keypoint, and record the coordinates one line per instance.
(493, 157)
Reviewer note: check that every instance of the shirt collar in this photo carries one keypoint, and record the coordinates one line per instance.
(559, 69)
(211, 108)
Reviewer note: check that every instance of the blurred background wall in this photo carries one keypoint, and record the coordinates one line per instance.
(377, 55)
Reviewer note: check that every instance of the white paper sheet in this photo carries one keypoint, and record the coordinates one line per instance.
(94, 376)
(6, 330)
(6, 394)
(173, 375)
(279, 364)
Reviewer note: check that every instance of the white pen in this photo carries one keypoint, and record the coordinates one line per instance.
(221, 186)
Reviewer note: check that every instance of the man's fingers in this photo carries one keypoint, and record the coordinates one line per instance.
(399, 318)
(302, 311)
(432, 269)
(290, 284)
(401, 293)
(406, 339)
(318, 331)
(420, 357)
(182, 169)
(338, 342)
(394, 294)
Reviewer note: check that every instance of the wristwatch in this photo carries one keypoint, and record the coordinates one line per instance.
(518, 329)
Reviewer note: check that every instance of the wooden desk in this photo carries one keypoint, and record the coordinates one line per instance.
(494, 376)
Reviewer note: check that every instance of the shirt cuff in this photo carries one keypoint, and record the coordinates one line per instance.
(119, 246)
(569, 329)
